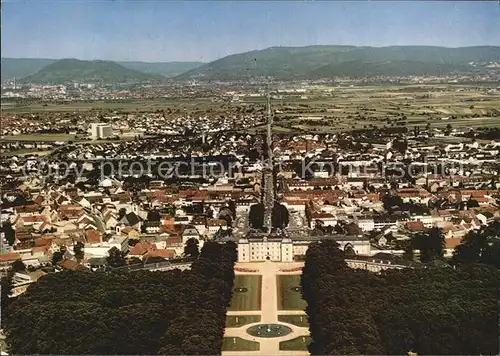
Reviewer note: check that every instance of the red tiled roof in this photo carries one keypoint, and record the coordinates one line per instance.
(43, 249)
(173, 240)
(163, 253)
(34, 218)
(43, 241)
(71, 265)
(321, 215)
(93, 236)
(140, 248)
(10, 257)
(415, 226)
(452, 242)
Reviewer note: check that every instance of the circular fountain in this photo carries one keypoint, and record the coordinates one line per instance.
(269, 330)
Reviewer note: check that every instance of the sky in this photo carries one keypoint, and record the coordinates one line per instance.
(161, 31)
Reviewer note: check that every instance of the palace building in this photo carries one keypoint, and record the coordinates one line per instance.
(261, 247)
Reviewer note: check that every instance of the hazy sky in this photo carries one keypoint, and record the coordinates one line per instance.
(203, 31)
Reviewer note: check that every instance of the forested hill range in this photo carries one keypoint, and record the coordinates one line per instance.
(70, 69)
(317, 62)
(74, 70)
(280, 63)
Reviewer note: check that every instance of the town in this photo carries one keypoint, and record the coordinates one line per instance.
(145, 191)
(266, 191)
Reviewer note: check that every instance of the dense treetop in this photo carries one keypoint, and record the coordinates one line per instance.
(425, 310)
(139, 312)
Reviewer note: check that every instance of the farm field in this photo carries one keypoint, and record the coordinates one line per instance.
(250, 296)
(40, 137)
(335, 109)
(289, 296)
(132, 105)
(27, 152)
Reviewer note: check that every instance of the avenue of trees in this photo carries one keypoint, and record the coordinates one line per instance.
(430, 311)
(173, 312)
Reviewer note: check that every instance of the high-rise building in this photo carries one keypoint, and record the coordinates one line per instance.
(100, 130)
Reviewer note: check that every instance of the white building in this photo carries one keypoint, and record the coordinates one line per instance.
(100, 131)
(101, 249)
(366, 224)
(276, 248)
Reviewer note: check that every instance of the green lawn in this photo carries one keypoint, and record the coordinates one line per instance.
(288, 299)
(298, 320)
(239, 344)
(39, 137)
(235, 321)
(297, 344)
(249, 300)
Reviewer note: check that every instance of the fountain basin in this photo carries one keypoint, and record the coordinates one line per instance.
(269, 330)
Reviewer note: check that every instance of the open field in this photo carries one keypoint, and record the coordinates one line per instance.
(131, 105)
(27, 152)
(326, 108)
(297, 344)
(249, 299)
(288, 297)
(299, 320)
(235, 321)
(239, 344)
(334, 109)
(40, 137)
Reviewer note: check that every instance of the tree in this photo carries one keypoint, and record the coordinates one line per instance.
(191, 248)
(408, 251)
(256, 216)
(153, 215)
(398, 310)
(280, 216)
(400, 146)
(431, 244)
(78, 250)
(56, 257)
(115, 257)
(391, 201)
(18, 266)
(448, 129)
(472, 203)
(121, 213)
(10, 234)
(6, 285)
(481, 246)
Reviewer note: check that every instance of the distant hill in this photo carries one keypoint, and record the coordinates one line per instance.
(166, 69)
(21, 67)
(281, 63)
(360, 69)
(313, 62)
(74, 70)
